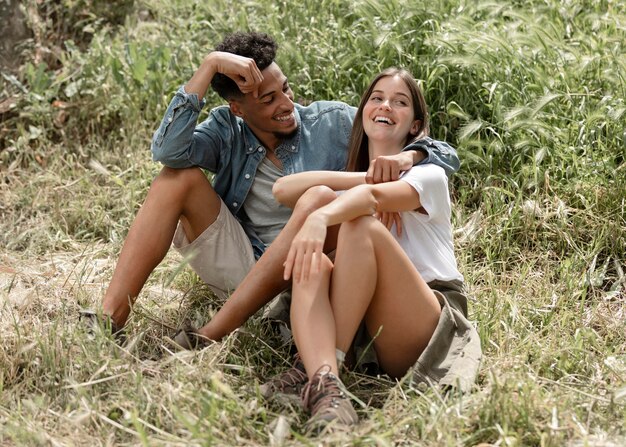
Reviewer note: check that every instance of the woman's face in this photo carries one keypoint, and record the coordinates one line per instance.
(388, 113)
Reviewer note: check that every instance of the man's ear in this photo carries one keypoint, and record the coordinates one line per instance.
(415, 127)
(235, 108)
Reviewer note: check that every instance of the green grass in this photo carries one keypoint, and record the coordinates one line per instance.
(531, 94)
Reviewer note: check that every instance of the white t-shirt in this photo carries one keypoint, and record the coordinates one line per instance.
(427, 238)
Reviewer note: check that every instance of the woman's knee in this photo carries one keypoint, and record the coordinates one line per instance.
(326, 265)
(314, 198)
(316, 277)
(360, 228)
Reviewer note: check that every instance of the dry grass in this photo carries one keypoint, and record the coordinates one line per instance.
(531, 93)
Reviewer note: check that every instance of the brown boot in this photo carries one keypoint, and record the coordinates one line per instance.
(94, 323)
(188, 339)
(287, 383)
(325, 398)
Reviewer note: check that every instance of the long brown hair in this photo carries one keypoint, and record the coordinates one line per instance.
(358, 156)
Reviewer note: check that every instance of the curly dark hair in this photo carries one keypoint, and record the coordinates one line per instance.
(258, 46)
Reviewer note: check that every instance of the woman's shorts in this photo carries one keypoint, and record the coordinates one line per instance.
(452, 356)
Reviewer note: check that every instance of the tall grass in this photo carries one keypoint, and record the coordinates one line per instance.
(532, 95)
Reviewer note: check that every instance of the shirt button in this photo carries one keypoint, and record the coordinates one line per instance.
(247, 176)
(235, 204)
(169, 119)
(293, 148)
(260, 149)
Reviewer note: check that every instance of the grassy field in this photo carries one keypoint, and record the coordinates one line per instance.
(531, 93)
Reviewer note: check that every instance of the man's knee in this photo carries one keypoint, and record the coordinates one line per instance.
(183, 189)
(314, 198)
(180, 179)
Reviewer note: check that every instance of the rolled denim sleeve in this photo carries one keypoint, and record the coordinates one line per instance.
(438, 153)
(179, 142)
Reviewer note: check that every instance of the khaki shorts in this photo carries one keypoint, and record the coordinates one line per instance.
(221, 256)
(452, 356)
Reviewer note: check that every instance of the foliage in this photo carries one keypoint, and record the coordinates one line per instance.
(532, 95)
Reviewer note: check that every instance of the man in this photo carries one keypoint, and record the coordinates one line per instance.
(225, 227)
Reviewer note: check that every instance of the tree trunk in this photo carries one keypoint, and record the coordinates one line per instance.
(14, 30)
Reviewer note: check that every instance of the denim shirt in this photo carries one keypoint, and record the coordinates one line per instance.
(224, 145)
(437, 152)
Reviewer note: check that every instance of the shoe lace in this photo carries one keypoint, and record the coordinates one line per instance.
(323, 391)
(290, 378)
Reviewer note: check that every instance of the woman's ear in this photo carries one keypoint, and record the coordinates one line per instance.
(415, 127)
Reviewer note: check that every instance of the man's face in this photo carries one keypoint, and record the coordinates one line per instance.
(271, 114)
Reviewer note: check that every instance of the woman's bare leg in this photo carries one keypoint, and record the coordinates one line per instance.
(312, 321)
(374, 279)
(265, 280)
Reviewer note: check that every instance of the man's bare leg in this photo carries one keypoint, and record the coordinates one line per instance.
(175, 194)
(187, 195)
(265, 280)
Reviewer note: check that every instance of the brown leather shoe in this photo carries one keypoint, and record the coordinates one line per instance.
(94, 323)
(289, 383)
(188, 339)
(325, 398)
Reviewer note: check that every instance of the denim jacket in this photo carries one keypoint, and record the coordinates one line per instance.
(224, 145)
(437, 152)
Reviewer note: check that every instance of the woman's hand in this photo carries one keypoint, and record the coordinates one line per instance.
(305, 254)
(388, 218)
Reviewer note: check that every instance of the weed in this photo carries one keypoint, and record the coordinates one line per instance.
(532, 94)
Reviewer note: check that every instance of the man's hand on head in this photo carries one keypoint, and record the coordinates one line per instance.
(387, 168)
(242, 70)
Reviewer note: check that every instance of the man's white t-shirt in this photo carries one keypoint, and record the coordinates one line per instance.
(427, 238)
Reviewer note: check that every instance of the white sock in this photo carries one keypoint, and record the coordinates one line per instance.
(341, 358)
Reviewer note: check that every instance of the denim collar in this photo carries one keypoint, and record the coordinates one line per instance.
(290, 144)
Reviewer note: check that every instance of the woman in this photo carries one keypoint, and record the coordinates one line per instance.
(403, 284)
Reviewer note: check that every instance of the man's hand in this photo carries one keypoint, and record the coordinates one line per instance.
(242, 70)
(387, 168)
